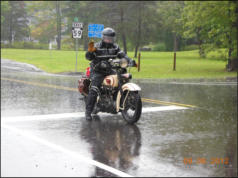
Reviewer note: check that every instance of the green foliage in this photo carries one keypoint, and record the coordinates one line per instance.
(190, 47)
(211, 22)
(218, 54)
(4, 8)
(159, 47)
(130, 46)
(68, 44)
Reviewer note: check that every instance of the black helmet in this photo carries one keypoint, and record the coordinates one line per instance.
(108, 35)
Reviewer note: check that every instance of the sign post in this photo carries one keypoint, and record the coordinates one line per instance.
(77, 30)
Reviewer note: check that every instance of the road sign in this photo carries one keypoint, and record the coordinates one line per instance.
(76, 19)
(77, 29)
(77, 25)
(77, 32)
(95, 30)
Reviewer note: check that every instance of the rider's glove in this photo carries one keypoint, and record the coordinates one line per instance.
(91, 47)
(133, 63)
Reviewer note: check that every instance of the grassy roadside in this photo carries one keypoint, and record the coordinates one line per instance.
(153, 64)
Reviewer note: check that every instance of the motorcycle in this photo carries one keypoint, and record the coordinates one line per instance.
(117, 94)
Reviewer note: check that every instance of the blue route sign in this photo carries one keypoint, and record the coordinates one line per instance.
(95, 30)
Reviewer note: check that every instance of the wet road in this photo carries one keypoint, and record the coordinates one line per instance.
(43, 131)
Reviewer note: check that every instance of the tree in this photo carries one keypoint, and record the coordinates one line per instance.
(46, 20)
(118, 12)
(143, 23)
(15, 21)
(212, 23)
(192, 18)
(43, 20)
(87, 12)
(171, 15)
(120, 19)
(4, 9)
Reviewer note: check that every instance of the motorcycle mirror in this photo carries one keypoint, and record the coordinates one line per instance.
(121, 54)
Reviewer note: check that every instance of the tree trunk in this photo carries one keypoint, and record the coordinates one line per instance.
(230, 46)
(175, 49)
(58, 25)
(229, 43)
(229, 36)
(139, 30)
(201, 50)
(122, 30)
(237, 30)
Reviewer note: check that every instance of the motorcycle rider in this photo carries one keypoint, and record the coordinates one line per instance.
(99, 54)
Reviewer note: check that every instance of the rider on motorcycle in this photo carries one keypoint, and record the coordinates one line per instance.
(100, 54)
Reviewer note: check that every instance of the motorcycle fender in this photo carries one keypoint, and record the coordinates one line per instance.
(131, 87)
(127, 86)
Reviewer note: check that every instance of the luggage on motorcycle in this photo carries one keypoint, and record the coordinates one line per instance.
(88, 71)
(83, 85)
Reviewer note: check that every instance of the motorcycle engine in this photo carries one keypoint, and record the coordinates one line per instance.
(107, 102)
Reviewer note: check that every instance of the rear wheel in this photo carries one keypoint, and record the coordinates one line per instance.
(133, 107)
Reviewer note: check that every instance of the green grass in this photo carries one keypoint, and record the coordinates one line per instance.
(153, 64)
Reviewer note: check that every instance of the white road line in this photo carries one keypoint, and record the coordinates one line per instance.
(42, 117)
(68, 152)
(162, 108)
(80, 114)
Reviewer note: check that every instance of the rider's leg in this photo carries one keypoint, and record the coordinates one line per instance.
(97, 79)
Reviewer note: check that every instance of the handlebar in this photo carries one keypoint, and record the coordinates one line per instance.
(123, 63)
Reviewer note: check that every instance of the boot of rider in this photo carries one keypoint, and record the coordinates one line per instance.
(92, 96)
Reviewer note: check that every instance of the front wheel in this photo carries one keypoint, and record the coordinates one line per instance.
(133, 107)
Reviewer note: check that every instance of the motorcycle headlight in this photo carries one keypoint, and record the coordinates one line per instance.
(123, 63)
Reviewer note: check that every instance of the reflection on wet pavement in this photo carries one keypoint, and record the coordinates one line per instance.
(113, 143)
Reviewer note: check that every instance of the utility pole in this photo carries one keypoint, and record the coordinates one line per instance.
(58, 11)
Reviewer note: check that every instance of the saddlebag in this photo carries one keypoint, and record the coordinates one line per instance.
(83, 85)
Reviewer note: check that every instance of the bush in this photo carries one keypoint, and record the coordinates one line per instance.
(40, 46)
(159, 47)
(67, 46)
(190, 47)
(145, 48)
(18, 45)
(28, 45)
(25, 45)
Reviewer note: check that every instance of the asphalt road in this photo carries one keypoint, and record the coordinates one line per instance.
(187, 128)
